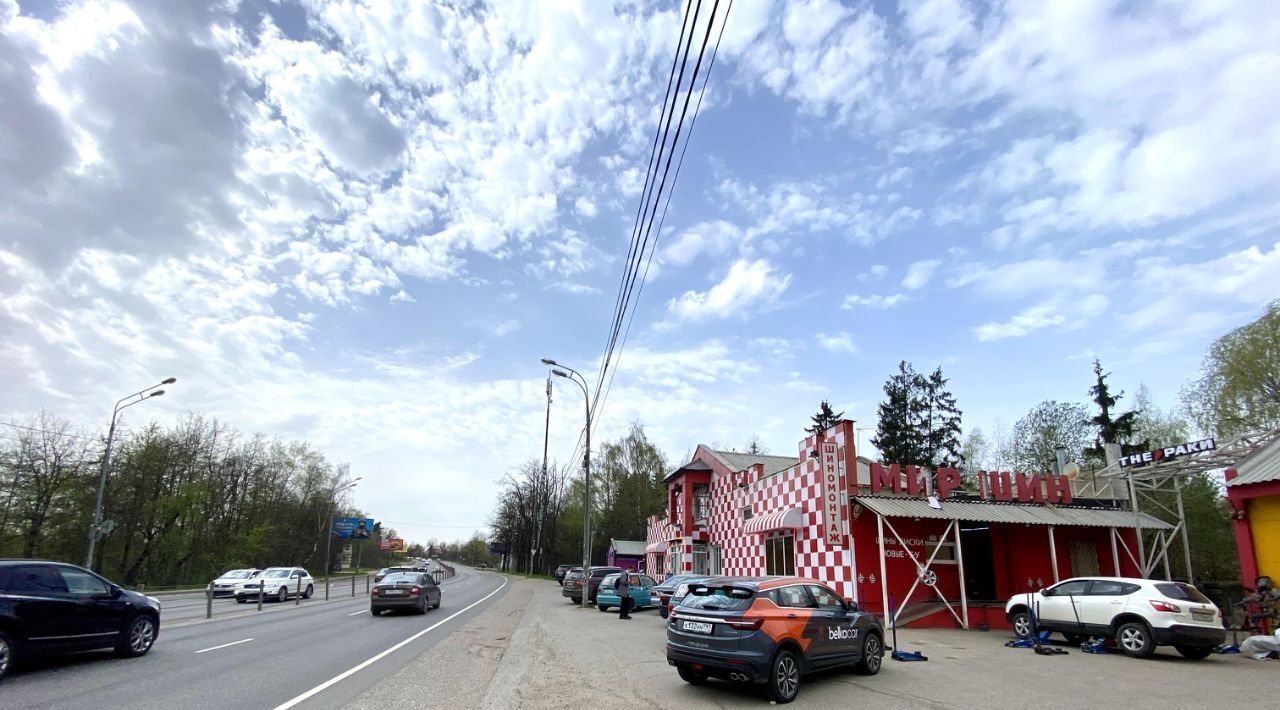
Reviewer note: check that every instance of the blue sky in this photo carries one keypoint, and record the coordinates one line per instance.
(362, 223)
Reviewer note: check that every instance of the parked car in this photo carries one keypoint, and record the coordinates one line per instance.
(1140, 614)
(482, 565)
(641, 591)
(277, 583)
(571, 586)
(226, 583)
(405, 590)
(560, 572)
(382, 573)
(593, 580)
(52, 607)
(672, 590)
(769, 630)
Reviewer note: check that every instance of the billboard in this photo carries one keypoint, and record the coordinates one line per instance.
(353, 528)
(392, 544)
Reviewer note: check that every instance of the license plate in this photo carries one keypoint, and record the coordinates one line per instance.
(394, 593)
(697, 627)
(1202, 615)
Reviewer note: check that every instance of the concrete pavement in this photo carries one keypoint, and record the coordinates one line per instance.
(316, 655)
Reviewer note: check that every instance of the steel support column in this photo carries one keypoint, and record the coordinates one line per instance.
(884, 581)
(1053, 554)
(1115, 553)
(964, 592)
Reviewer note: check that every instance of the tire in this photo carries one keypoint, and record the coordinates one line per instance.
(7, 655)
(1021, 621)
(139, 637)
(576, 600)
(283, 594)
(1134, 639)
(422, 610)
(602, 607)
(691, 676)
(241, 600)
(437, 604)
(872, 655)
(783, 683)
(375, 612)
(1195, 653)
(310, 590)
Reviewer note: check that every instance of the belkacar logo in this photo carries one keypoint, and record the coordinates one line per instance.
(841, 633)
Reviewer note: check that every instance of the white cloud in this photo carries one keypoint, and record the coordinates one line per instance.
(1056, 313)
(874, 273)
(874, 301)
(919, 273)
(709, 238)
(840, 342)
(747, 285)
(585, 207)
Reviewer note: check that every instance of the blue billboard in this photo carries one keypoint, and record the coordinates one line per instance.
(353, 528)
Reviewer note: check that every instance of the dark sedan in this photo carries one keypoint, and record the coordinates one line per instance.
(52, 607)
(672, 590)
(560, 572)
(405, 590)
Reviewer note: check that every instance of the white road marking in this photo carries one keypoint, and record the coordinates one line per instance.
(348, 673)
(233, 643)
(357, 612)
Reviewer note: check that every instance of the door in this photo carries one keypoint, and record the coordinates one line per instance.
(46, 614)
(1105, 599)
(644, 592)
(1084, 559)
(1059, 608)
(979, 563)
(838, 640)
(100, 613)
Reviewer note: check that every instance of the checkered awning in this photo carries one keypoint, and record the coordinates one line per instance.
(785, 519)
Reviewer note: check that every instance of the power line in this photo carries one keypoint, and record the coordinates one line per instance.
(48, 431)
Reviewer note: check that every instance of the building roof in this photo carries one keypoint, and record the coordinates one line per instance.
(1009, 513)
(1261, 466)
(735, 461)
(629, 548)
(694, 465)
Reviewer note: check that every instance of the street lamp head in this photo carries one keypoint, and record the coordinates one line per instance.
(549, 361)
(157, 393)
(559, 373)
(169, 381)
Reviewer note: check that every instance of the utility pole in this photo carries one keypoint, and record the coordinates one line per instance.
(540, 489)
(581, 382)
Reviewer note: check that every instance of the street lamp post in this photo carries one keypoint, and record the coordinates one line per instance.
(581, 382)
(333, 505)
(95, 528)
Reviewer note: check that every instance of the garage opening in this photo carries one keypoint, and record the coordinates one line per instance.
(979, 563)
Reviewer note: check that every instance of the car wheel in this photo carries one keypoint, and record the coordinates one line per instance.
(872, 656)
(437, 604)
(691, 676)
(310, 590)
(241, 600)
(423, 608)
(602, 607)
(1021, 624)
(6, 655)
(783, 683)
(139, 635)
(576, 600)
(1195, 653)
(375, 612)
(1134, 639)
(283, 594)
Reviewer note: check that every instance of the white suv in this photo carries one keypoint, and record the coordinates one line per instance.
(1139, 614)
(277, 583)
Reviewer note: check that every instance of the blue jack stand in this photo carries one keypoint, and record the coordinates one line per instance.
(1229, 649)
(893, 625)
(1096, 644)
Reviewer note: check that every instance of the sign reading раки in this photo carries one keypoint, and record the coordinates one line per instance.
(1168, 452)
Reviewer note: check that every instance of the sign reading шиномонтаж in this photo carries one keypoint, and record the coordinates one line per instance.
(992, 485)
(1168, 452)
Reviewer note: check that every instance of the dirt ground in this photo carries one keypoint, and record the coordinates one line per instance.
(533, 649)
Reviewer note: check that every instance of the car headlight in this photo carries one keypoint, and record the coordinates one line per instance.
(153, 603)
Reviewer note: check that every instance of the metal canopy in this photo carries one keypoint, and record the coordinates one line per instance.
(1009, 513)
(1148, 482)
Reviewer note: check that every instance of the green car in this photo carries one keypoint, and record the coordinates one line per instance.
(641, 594)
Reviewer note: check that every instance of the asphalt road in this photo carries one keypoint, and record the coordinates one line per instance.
(316, 655)
(192, 605)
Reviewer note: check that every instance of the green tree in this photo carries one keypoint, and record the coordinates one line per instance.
(1110, 429)
(1049, 426)
(824, 419)
(940, 422)
(1155, 426)
(1239, 386)
(897, 436)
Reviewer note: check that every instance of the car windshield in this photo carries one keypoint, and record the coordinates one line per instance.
(400, 578)
(718, 598)
(238, 574)
(273, 573)
(1182, 591)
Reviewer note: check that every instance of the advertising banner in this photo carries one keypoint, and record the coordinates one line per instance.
(832, 509)
(392, 544)
(353, 528)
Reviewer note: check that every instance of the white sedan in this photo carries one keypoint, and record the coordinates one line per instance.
(1139, 614)
(225, 585)
(277, 583)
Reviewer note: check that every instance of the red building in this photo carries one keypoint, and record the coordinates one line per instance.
(947, 554)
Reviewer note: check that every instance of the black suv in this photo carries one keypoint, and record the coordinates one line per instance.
(574, 582)
(769, 630)
(560, 572)
(52, 607)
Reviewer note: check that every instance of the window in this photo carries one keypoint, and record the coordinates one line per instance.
(648, 581)
(825, 598)
(35, 580)
(780, 555)
(1070, 589)
(701, 560)
(79, 582)
(1109, 588)
(714, 552)
(947, 555)
(1182, 591)
(794, 597)
(718, 598)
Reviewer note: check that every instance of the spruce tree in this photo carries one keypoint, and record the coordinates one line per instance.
(1109, 429)
(942, 427)
(897, 435)
(824, 419)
